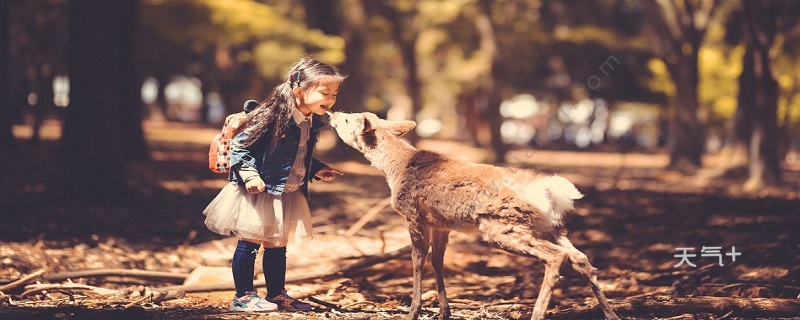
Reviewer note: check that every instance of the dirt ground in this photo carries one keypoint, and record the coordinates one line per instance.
(634, 217)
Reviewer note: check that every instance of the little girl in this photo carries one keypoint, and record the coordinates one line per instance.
(266, 203)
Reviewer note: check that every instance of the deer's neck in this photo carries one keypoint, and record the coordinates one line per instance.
(391, 155)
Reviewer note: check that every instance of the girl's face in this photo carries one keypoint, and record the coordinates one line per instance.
(317, 98)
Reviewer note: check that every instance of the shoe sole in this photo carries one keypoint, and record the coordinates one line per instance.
(255, 311)
(282, 308)
(294, 310)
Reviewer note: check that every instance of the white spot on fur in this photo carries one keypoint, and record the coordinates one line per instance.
(553, 195)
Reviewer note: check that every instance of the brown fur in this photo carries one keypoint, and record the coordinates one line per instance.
(519, 211)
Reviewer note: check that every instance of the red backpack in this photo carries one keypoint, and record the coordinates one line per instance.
(219, 155)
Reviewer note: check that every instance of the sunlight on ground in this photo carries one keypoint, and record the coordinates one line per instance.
(179, 132)
(188, 187)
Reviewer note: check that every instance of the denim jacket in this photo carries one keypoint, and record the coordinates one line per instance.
(274, 167)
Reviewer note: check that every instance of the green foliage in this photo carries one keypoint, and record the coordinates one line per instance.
(787, 69)
(719, 67)
(276, 40)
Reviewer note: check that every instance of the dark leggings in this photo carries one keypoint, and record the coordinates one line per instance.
(243, 266)
(274, 264)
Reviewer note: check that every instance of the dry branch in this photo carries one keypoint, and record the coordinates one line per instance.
(143, 274)
(22, 281)
(344, 271)
(664, 306)
(157, 296)
(102, 295)
(697, 273)
(325, 303)
(368, 216)
(66, 287)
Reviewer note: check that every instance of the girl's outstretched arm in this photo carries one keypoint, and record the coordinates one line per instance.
(328, 173)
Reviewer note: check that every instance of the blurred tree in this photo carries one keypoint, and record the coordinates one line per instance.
(348, 19)
(91, 151)
(758, 93)
(236, 48)
(7, 140)
(39, 31)
(354, 31)
(131, 79)
(677, 32)
(768, 87)
(492, 36)
(402, 15)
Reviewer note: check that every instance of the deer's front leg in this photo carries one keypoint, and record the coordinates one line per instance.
(420, 241)
(438, 245)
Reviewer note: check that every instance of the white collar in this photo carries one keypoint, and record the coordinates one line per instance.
(299, 116)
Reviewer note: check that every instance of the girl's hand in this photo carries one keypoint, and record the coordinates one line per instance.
(328, 173)
(255, 185)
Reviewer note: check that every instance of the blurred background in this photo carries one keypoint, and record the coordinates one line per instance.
(686, 78)
(679, 120)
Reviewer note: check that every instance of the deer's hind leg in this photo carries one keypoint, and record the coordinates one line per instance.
(520, 240)
(580, 263)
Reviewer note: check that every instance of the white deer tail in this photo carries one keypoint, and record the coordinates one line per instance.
(554, 196)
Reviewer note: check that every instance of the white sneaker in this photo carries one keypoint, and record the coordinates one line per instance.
(252, 302)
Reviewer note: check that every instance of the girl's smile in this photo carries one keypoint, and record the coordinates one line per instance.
(317, 99)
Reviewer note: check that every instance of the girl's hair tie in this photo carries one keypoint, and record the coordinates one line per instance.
(294, 79)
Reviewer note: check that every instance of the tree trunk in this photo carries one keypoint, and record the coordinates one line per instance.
(743, 118)
(678, 28)
(7, 140)
(493, 83)
(407, 45)
(354, 33)
(91, 152)
(495, 95)
(413, 85)
(44, 91)
(473, 121)
(686, 149)
(764, 166)
(131, 109)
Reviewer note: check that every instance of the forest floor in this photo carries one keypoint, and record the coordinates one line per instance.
(632, 220)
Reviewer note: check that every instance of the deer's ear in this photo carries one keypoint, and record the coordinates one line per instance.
(368, 125)
(399, 128)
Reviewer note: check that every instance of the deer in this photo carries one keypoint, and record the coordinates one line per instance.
(516, 210)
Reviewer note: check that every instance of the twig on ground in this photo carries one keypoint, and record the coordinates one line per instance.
(66, 287)
(673, 289)
(192, 234)
(324, 303)
(647, 294)
(665, 306)
(368, 216)
(734, 285)
(144, 274)
(24, 280)
(344, 271)
(350, 306)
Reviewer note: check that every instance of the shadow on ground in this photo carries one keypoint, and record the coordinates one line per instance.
(630, 224)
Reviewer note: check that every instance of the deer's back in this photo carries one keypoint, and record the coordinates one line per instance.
(459, 195)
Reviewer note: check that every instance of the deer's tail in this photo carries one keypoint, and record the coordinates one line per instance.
(554, 196)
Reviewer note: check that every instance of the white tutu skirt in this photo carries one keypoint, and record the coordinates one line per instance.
(277, 220)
